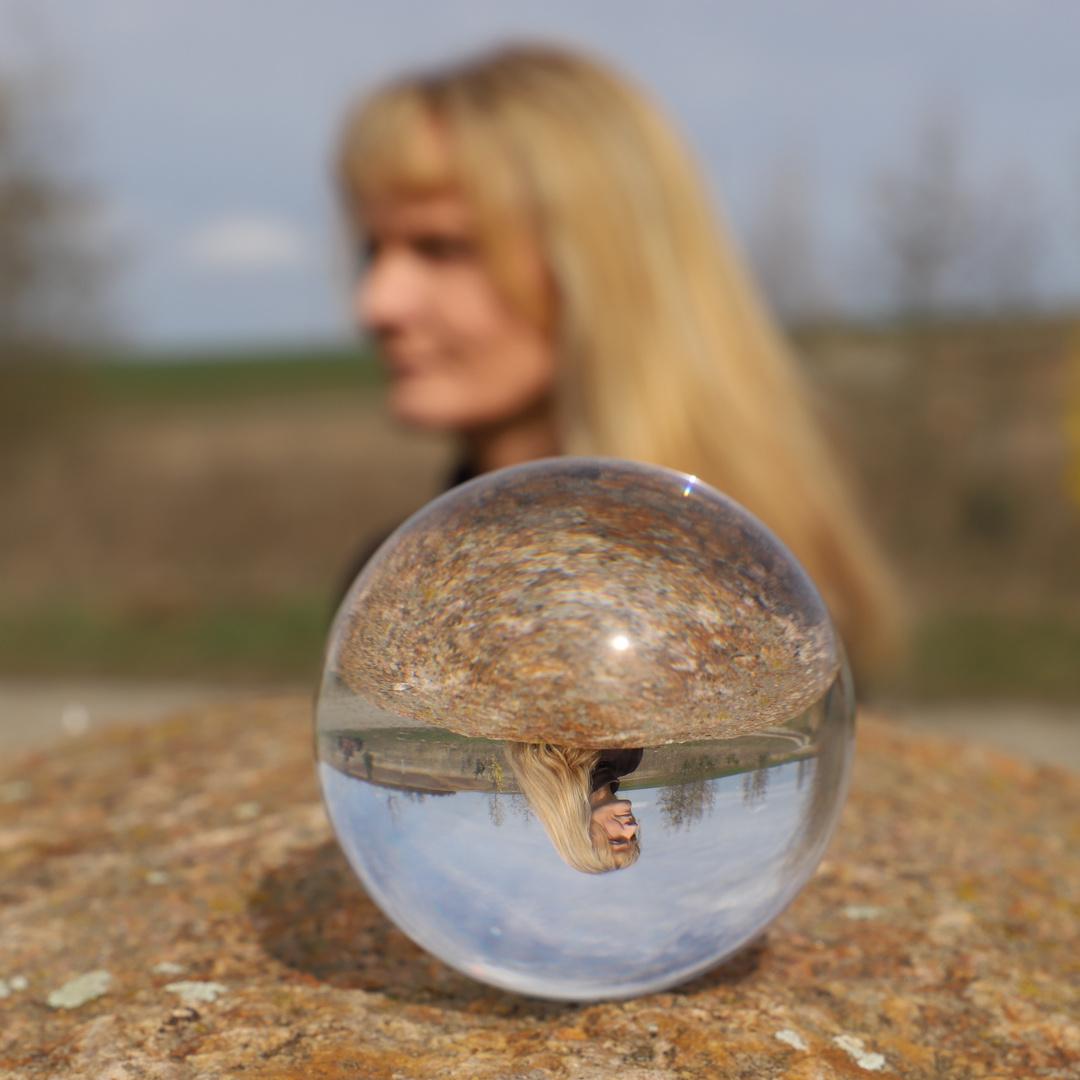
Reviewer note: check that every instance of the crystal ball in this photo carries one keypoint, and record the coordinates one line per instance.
(585, 728)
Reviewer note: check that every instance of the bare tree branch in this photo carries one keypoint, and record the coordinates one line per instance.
(926, 219)
(947, 243)
(783, 243)
(53, 267)
(1011, 245)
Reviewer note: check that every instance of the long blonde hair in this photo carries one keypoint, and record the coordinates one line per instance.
(557, 782)
(666, 352)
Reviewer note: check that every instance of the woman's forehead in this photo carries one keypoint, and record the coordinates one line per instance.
(395, 210)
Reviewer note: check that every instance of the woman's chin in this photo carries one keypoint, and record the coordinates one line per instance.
(444, 411)
(424, 410)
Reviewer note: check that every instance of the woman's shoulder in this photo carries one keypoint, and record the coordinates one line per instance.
(620, 762)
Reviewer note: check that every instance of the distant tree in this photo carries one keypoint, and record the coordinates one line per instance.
(926, 219)
(755, 785)
(783, 243)
(684, 803)
(1075, 230)
(1011, 244)
(54, 265)
(50, 264)
(947, 242)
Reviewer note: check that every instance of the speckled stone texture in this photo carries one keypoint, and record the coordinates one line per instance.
(940, 938)
(499, 610)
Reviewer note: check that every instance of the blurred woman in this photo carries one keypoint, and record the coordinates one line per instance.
(544, 275)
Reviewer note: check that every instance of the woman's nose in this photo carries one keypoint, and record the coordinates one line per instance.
(390, 293)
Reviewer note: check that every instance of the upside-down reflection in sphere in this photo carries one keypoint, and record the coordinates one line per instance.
(572, 790)
(585, 727)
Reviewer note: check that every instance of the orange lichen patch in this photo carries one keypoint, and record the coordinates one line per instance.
(941, 932)
(572, 1033)
(902, 1050)
(357, 1063)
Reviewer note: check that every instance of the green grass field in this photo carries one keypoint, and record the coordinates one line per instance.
(274, 643)
(980, 655)
(205, 377)
(953, 656)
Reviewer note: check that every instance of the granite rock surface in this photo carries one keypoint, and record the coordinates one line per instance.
(192, 862)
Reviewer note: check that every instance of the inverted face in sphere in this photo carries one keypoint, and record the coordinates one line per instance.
(570, 668)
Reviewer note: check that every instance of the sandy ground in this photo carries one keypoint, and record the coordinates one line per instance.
(35, 713)
(1047, 734)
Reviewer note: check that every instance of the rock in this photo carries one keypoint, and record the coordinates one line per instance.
(969, 857)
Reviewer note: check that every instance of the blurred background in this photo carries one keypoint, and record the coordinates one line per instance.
(192, 447)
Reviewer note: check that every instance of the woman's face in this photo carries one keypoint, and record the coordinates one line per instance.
(613, 823)
(460, 357)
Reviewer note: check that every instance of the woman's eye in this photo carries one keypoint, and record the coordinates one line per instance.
(366, 253)
(443, 248)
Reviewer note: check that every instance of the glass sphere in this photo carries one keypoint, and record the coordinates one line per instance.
(585, 728)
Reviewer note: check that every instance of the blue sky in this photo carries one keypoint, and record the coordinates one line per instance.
(208, 124)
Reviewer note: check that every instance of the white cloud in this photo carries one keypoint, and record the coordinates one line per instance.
(247, 243)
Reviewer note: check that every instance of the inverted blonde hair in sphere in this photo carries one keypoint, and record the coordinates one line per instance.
(666, 353)
(557, 781)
